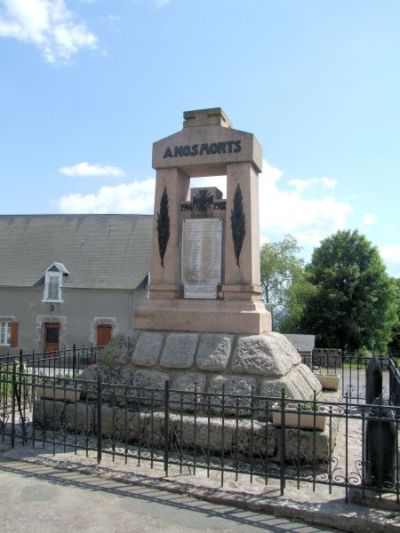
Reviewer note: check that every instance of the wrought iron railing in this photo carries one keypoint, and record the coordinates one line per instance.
(318, 443)
(351, 370)
(66, 362)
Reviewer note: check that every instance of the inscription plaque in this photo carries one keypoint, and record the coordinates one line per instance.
(201, 257)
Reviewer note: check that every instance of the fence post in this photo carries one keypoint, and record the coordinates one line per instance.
(380, 446)
(73, 360)
(283, 443)
(20, 370)
(166, 426)
(99, 429)
(14, 392)
(373, 380)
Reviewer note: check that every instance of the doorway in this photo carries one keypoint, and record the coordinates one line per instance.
(51, 338)
(103, 334)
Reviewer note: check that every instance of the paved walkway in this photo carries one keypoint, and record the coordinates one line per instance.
(41, 498)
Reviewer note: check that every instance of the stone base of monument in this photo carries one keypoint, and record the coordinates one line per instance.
(235, 316)
(238, 438)
(217, 388)
(244, 364)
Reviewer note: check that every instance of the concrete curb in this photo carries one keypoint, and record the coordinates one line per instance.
(337, 514)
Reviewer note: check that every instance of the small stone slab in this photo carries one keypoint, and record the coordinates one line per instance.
(214, 351)
(179, 350)
(148, 348)
(269, 355)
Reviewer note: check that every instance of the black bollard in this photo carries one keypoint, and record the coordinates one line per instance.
(380, 446)
(373, 379)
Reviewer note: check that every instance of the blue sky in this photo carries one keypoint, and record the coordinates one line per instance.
(88, 85)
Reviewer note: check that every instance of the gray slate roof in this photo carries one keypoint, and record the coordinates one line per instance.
(99, 251)
(302, 342)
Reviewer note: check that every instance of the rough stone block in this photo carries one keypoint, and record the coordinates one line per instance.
(148, 348)
(186, 382)
(150, 379)
(79, 417)
(214, 351)
(237, 398)
(49, 414)
(235, 438)
(118, 350)
(272, 388)
(298, 384)
(111, 378)
(269, 355)
(117, 423)
(179, 350)
(153, 380)
(258, 439)
(308, 379)
(307, 446)
(215, 436)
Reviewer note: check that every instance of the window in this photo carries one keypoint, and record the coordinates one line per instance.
(53, 286)
(8, 332)
(53, 282)
(5, 332)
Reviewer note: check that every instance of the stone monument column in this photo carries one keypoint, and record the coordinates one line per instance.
(242, 272)
(173, 185)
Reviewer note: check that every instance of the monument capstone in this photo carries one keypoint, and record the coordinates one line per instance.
(204, 323)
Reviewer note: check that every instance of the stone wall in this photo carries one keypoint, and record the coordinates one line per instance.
(239, 364)
(239, 439)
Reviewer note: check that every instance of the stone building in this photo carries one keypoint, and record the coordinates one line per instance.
(68, 279)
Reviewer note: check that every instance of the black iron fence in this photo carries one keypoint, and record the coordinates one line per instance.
(351, 370)
(337, 445)
(66, 362)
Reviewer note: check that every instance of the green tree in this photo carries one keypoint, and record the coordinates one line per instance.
(354, 304)
(298, 295)
(281, 270)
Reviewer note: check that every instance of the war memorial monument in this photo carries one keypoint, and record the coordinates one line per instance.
(204, 322)
(202, 366)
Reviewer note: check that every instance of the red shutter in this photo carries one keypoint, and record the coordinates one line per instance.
(14, 334)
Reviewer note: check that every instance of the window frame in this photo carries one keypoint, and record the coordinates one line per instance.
(8, 331)
(55, 275)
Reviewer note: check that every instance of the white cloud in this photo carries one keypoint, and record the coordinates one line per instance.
(287, 211)
(113, 19)
(328, 183)
(369, 219)
(135, 197)
(162, 3)
(87, 169)
(301, 185)
(391, 255)
(48, 24)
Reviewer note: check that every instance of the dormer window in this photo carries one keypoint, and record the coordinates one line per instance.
(53, 282)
